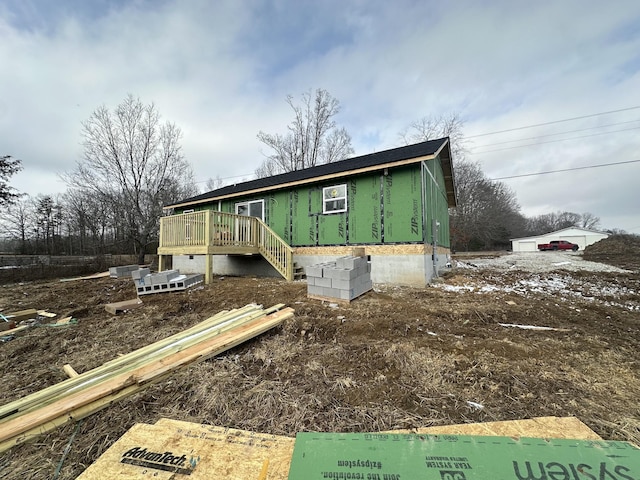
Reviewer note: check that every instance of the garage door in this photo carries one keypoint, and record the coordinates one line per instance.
(527, 246)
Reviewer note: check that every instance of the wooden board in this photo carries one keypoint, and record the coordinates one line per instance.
(14, 330)
(541, 427)
(22, 315)
(229, 454)
(202, 451)
(88, 277)
(115, 308)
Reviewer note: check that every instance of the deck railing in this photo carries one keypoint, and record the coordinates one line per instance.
(220, 232)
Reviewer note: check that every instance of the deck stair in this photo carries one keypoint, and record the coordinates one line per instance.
(210, 232)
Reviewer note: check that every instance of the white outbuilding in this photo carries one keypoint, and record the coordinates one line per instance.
(582, 236)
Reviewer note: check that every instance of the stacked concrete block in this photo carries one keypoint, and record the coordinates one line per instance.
(345, 279)
(165, 281)
(123, 271)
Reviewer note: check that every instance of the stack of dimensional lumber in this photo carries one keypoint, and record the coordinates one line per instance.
(82, 395)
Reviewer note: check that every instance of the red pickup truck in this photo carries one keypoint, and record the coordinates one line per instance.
(558, 245)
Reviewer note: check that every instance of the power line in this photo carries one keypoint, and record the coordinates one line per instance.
(556, 134)
(565, 170)
(553, 122)
(556, 141)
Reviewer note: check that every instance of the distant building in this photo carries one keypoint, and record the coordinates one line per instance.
(581, 236)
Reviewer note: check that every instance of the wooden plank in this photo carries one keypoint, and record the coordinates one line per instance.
(63, 321)
(14, 330)
(339, 301)
(116, 307)
(69, 370)
(88, 277)
(31, 419)
(214, 346)
(74, 415)
(50, 392)
(22, 315)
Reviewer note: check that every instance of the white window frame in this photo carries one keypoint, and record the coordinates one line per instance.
(248, 204)
(325, 200)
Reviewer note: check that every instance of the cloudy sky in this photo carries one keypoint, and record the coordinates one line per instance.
(221, 71)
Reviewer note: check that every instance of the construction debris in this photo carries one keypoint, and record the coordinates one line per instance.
(88, 277)
(122, 271)
(117, 307)
(80, 396)
(206, 451)
(345, 279)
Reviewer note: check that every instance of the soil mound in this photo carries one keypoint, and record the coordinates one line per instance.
(620, 250)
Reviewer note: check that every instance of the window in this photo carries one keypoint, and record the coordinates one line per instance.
(334, 199)
(255, 208)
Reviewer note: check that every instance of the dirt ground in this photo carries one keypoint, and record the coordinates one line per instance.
(398, 357)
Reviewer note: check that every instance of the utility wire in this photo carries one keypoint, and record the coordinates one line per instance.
(565, 170)
(555, 141)
(523, 139)
(556, 134)
(553, 122)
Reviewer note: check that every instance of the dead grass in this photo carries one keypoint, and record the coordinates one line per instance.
(396, 358)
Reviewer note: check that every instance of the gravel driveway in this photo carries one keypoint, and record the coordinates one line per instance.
(538, 262)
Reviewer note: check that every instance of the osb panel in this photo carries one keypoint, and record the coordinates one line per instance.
(201, 451)
(225, 453)
(541, 427)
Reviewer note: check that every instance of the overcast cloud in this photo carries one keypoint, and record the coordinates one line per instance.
(221, 71)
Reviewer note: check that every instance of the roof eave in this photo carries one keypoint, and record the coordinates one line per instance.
(321, 178)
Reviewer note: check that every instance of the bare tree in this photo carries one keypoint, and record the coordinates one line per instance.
(313, 137)
(487, 215)
(550, 222)
(133, 159)
(438, 126)
(8, 167)
(18, 223)
(590, 221)
(214, 183)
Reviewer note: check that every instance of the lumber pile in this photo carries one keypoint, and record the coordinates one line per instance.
(91, 391)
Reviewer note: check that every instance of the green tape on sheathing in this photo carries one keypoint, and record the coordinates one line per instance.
(363, 456)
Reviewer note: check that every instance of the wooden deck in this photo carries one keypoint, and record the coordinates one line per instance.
(217, 233)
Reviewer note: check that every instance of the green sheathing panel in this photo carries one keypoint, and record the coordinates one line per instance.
(402, 198)
(306, 205)
(379, 456)
(278, 213)
(364, 215)
(436, 203)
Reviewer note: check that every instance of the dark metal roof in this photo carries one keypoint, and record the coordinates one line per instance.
(385, 158)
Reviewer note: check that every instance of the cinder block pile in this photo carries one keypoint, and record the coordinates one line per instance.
(345, 279)
(123, 271)
(165, 281)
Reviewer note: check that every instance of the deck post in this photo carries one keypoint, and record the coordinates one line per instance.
(208, 262)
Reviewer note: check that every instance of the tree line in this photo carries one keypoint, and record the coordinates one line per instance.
(132, 165)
